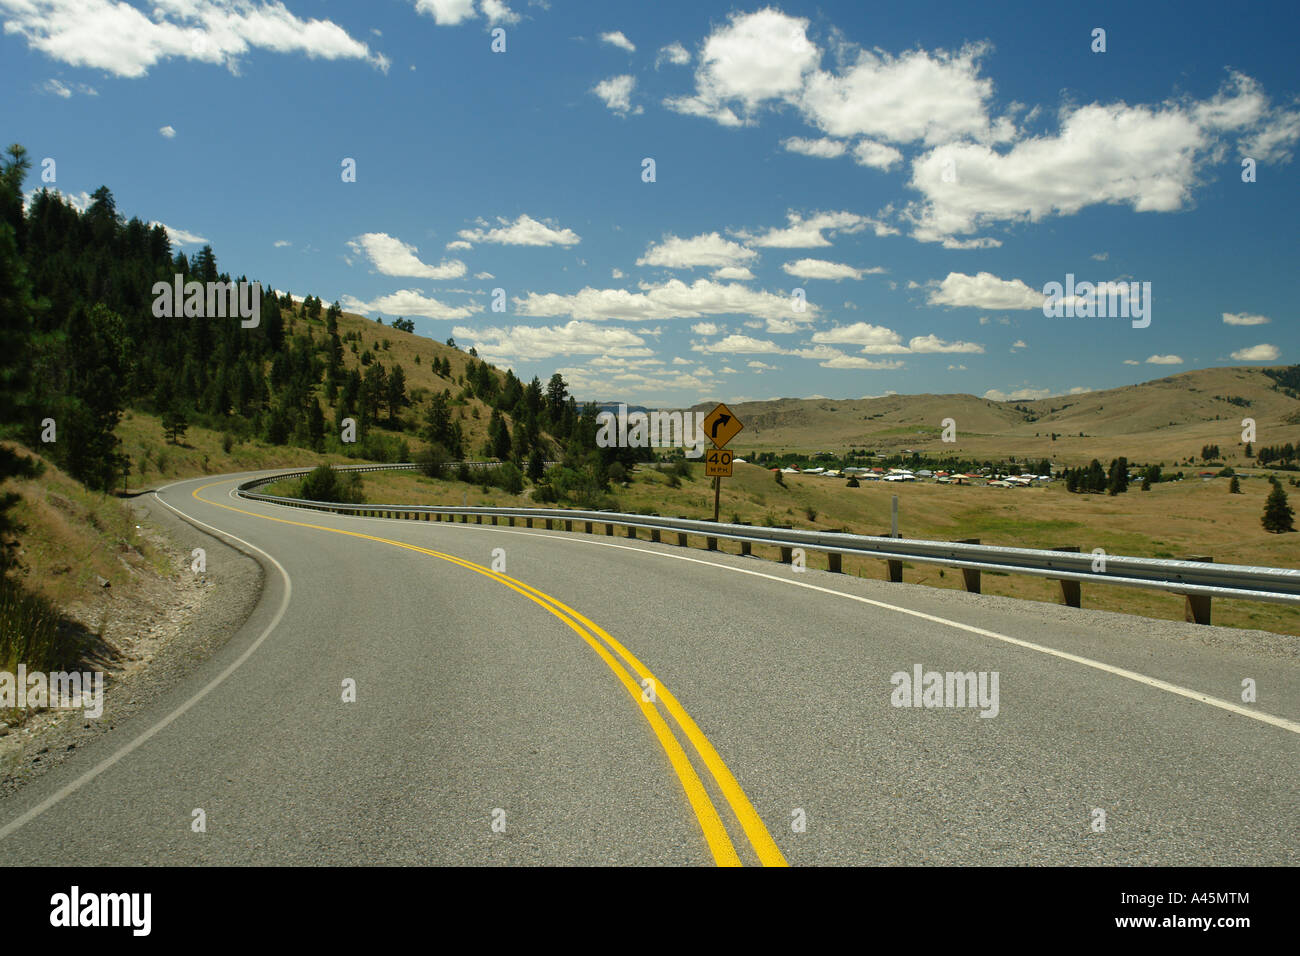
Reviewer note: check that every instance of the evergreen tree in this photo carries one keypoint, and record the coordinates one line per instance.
(1277, 512)
(175, 423)
(17, 308)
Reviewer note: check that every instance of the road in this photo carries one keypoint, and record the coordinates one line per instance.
(608, 701)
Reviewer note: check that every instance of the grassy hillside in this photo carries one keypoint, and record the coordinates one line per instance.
(1163, 421)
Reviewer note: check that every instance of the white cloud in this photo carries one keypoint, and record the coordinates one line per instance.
(392, 257)
(755, 57)
(932, 343)
(616, 94)
(527, 343)
(120, 39)
(1147, 158)
(777, 326)
(934, 96)
(878, 340)
(738, 273)
(1101, 256)
(447, 13)
(876, 155)
(804, 233)
(497, 11)
(823, 148)
(281, 243)
(484, 275)
(1132, 362)
(828, 357)
(875, 339)
(410, 302)
(616, 38)
(1244, 318)
(1164, 360)
(985, 291)
(673, 299)
(1019, 344)
(705, 328)
(673, 53)
(167, 132)
(524, 231)
(956, 368)
(1257, 353)
(709, 250)
(742, 345)
(61, 89)
(179, 237)
(765, 58)
(821, 269)
(616, 273)
(761, 366)
(459, 244)
(1019, 395)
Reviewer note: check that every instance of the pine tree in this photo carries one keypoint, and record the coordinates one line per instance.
(1234, 486)
(1277, 513)
(16, 312)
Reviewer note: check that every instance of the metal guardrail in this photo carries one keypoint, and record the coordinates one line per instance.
(1198, 579)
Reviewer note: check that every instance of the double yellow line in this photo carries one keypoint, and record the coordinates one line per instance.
(715, 833)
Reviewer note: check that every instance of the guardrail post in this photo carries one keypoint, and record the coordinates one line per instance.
(1071, 593)
(609, 530)
(494, 519)
(587, 529)
(654, 535)
(834, 562)
(568, 524)
(681, 539)
(1196, 608)
(970, 576)
(631, 531)
(478, 519)
(894, 566)
(711, 544)
(746, 548)
(528, 522)
(510, 520)
(787, 554)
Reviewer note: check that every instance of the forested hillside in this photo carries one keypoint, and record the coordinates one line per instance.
(81, 344)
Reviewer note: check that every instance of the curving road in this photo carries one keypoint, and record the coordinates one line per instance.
(608, 701)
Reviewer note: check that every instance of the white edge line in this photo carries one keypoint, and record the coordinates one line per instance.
(1282, 722)
(108, 762)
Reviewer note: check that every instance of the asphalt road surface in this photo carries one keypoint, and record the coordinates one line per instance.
(598, 700)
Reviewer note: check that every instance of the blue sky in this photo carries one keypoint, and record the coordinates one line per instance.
(920, 174)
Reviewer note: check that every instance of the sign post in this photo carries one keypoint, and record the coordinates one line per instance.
(721, 425)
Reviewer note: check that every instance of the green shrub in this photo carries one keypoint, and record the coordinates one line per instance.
(323, 483)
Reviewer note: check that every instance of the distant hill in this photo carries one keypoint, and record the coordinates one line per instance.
(1167, 419)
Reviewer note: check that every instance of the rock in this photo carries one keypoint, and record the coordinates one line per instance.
(103, 582)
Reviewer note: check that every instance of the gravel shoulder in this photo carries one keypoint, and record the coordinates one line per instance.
(159, 633)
